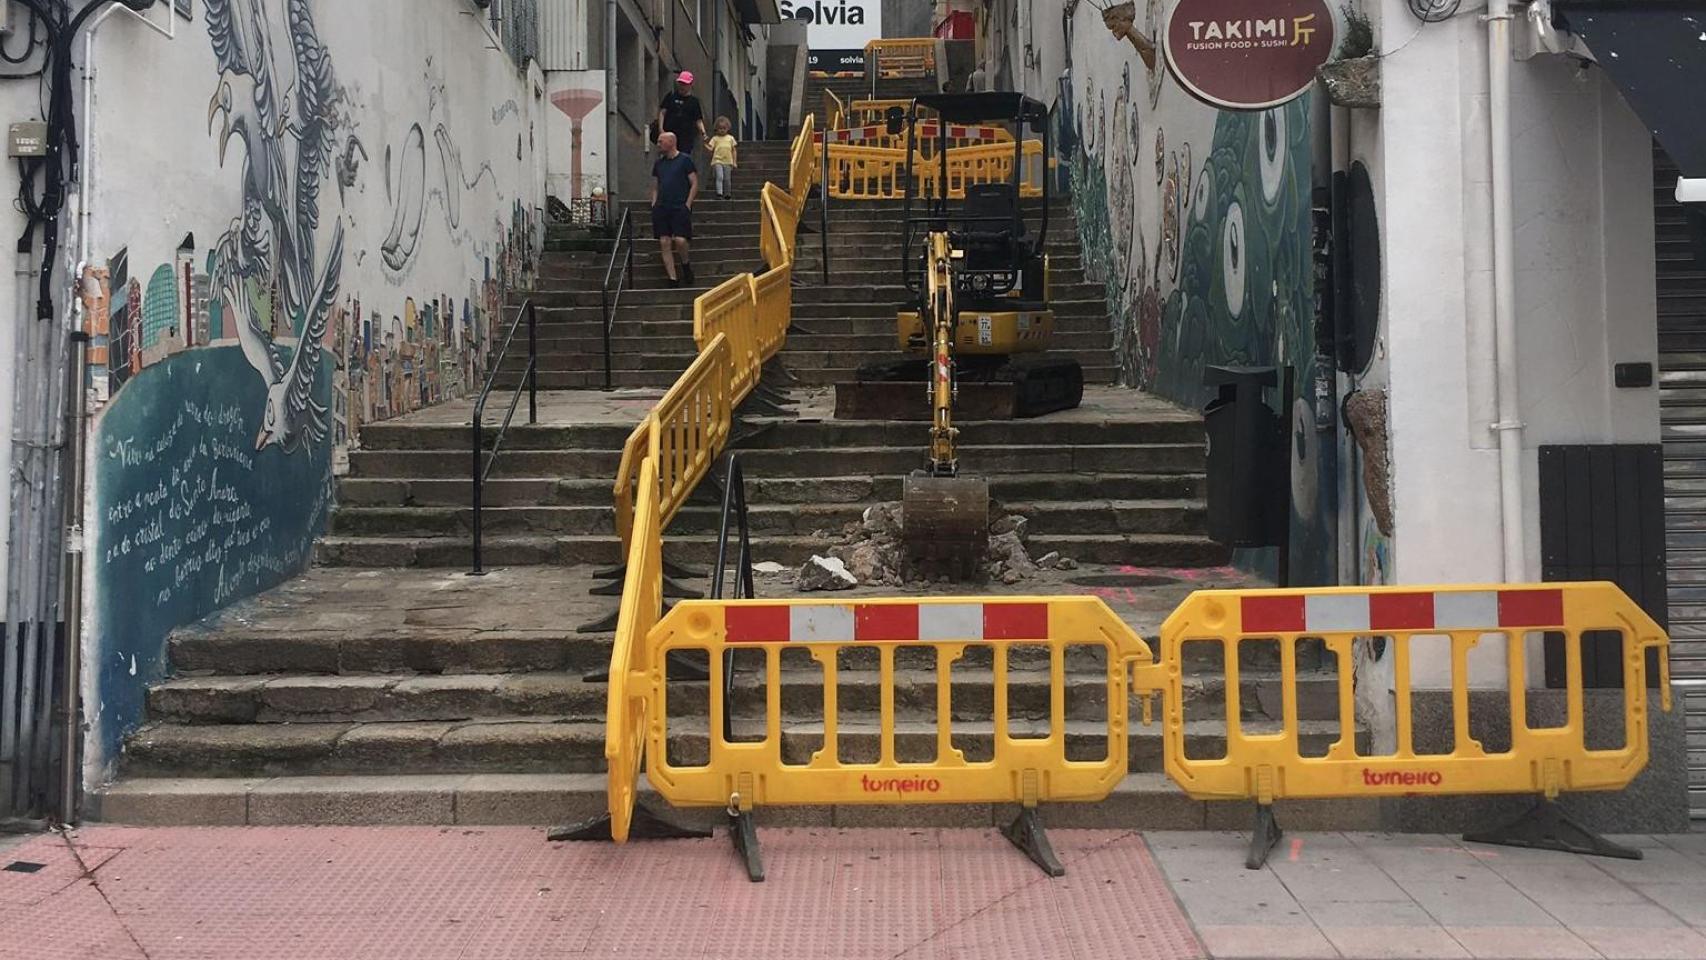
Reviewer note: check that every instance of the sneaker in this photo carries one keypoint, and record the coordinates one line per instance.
(672, 281)
(686, 273)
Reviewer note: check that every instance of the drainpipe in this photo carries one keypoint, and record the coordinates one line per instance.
(1508, 427)
(612, 113)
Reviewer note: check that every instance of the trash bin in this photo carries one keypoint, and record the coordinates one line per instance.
(1248, 477)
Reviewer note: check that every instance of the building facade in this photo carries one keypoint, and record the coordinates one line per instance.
(1465, 339)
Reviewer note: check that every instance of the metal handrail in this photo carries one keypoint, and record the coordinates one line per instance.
(823, 206)
(625, 227)
(734, 505)
(531, 382)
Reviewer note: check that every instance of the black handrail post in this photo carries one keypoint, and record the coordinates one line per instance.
(532, 363)
(626, 253)
(479, 480)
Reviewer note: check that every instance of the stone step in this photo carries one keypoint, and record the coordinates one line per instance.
(1080, 340)
(648, 270)
(535, 744)
(562, 294)
(1140, 550)
(589, 379)
(861, 491)
(801, 361)
(980, 459)
(1166, 427)
(1141, 801)
(875, 314)
(300, 698)
(1092, 516)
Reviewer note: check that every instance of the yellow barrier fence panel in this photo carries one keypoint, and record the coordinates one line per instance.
(690, 425)
(628, 698)
(802, 161)
(779, 217)
(773, 295)
(1036, 633)
(727, 309)
(1540, 759)
(866, 173)
(634, 451)
(901, 57)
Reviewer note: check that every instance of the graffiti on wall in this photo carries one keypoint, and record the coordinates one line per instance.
(236, 376)
(1203, 219)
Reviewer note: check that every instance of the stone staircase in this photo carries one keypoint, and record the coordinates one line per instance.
(387, 686)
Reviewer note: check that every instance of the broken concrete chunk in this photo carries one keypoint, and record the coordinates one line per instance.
(825, 573)
(1050, 560)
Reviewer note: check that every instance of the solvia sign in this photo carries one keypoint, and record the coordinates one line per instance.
(1248, 54)
(837, 30)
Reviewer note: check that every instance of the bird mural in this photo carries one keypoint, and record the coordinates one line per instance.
(273, 103)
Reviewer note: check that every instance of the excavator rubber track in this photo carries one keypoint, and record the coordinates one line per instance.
(1015, 389)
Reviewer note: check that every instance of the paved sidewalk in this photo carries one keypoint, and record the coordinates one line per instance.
(129, 893)
(1413, 895)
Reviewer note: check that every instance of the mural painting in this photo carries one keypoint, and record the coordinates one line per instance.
(235, 380)
(1203, 218)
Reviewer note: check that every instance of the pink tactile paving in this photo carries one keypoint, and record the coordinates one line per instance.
(428, 892)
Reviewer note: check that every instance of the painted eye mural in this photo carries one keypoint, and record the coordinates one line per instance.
(1234, 260)
(1271, 154)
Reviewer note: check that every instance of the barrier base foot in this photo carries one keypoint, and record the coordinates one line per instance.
(645, 825)
(1546, 826)
(1026, 832)
(744, 832)
(607, 623)
(1263, 837)
(671, 589)
(620, 572)
(679, 667)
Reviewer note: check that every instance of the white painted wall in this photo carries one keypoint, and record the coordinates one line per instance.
(1584, 289)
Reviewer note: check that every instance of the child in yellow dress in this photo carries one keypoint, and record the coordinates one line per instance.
(723, 164)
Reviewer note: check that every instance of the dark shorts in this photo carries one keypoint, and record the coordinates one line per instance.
(672, 222)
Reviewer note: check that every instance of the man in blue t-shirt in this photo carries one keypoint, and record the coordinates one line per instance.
(675, 184)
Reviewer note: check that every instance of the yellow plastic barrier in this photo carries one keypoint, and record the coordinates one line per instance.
(1021, 769)
(779, 220)
(866, 173)
(1544, 760)
(988, 163)
(802, 162)
(773, 301)
(727, 310)
(629, 698)
(895, 58)
(680, 438)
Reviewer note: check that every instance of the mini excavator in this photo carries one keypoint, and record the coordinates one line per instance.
(978, 324)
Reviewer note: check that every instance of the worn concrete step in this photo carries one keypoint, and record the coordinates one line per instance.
(1059, 517)
(674, 355)
(555, 349)
(1142, 550)
(535, 744)
(1141, 801)
(1095, 374)
(370, 492)
(981, 459)
(1167, 426)
(567, 293)
(880, 306)
(363, 698)
(244, 650)
(302, 698)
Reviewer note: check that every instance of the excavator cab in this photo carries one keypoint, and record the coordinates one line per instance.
(979, 317)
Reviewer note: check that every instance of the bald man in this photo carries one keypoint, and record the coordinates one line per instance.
(675, 185)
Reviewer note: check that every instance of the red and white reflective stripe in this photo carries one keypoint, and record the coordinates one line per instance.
(1377, 612)
(884, 622)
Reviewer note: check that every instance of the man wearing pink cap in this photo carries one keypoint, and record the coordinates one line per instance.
(681, 114)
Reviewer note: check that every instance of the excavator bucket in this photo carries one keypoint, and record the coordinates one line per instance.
(945, 525)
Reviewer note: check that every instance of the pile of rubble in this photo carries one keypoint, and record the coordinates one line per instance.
(869, 552)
